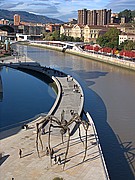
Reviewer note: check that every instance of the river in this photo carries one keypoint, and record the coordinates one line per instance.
(23, 97)
(109, 98)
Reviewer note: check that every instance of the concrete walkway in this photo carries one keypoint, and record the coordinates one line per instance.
(31, 167)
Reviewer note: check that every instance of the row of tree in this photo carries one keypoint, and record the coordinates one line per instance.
(55, 36)
(110, 51)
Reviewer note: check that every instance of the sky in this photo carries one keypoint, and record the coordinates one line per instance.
(65, 9)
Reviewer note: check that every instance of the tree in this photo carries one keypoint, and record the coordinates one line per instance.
(56, 35)
(127, 14)
(127, 45)
(48, 36)
(110, 38)
(70, 38)
(63, 37)
(77, 39)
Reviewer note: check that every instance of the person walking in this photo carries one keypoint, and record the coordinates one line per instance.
(59, 160)
(20, 153)
(55, 159)
(47, 151)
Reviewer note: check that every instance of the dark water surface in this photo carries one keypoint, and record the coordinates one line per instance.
(24, 97)
(109, 98)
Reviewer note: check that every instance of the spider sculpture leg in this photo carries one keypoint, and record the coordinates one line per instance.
(38, 129)
(86, 126)
(85, 145)
(62, 132)
(37, 138)
(67, 147)
(62, 138)
(80, 134)
(40, 140)
(49, 137)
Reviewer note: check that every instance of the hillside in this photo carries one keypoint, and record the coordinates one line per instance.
(27, 17)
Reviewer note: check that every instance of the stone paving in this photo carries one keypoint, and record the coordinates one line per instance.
(30, 166)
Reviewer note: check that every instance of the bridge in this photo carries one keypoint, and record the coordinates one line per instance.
(70, 98)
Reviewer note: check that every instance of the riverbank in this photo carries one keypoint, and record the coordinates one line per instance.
(97, 57)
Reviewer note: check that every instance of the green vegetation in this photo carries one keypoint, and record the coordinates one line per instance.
(127, 45)
(27, 17)
(109, 39)
(55, 36)
(128, 14)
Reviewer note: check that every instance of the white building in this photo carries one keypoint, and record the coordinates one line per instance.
(123, 37)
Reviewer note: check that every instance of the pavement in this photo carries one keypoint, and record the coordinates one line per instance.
(31, 167)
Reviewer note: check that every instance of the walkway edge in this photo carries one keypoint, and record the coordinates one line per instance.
(98, 143)
(52, 110)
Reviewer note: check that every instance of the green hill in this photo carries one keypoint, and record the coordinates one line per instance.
(27, 17)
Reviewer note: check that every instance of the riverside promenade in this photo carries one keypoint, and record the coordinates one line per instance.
(30, 166)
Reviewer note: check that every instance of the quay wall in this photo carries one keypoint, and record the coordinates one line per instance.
(97, 57)
(47, 46)
(106, 59)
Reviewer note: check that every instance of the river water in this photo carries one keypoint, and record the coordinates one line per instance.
(23, 97)
(109, 98)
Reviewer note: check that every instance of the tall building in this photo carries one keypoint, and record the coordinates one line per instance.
(94, 17)
(16, 20)
(82, 17)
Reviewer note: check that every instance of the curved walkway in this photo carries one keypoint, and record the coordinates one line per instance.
(70, 94)
(30, 167)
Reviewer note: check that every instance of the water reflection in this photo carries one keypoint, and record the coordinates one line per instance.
(24, 97)
(1, 89)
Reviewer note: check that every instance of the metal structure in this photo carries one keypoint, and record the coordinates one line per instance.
(63, 125)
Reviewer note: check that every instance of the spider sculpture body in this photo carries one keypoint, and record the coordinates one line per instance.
(63, 125)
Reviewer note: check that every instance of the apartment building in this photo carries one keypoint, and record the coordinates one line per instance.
(82, 16)
(127, 28)
(16, 20)
(94, 17)
(66, 30)
(126, 36)
(89, 33)
(53, 27)
(3, 35)
(78, 31)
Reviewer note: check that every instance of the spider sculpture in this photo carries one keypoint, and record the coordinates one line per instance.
(64, 128)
